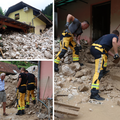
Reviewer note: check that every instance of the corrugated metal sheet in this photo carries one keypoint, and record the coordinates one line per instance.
(8, 68)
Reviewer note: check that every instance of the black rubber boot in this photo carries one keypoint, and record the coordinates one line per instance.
(81, 64)
(23, 112)
(97, 97)
(56, 67)
(19, 112)
(27, 106)
(34, 101)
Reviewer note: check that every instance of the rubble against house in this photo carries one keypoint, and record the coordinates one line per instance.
(28, 46)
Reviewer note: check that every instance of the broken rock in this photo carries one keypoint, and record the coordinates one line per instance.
(67, 71)
(83, 88)
(75, 66)
(79, 74)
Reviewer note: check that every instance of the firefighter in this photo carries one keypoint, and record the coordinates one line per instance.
(21, 85)
(100, 50)
(32, 84)
(75, 29)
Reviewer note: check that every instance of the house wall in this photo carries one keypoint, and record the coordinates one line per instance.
(24, 16)
(81, 11)
(39, 24)
(46, 70)
(27, 18)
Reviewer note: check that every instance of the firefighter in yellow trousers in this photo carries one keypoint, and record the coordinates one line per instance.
(32, 84)
(72, 30)
(21, 85)
(100, 50)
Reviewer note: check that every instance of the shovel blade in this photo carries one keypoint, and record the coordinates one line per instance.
(116, 60)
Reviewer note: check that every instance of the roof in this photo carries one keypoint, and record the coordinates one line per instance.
(36, 12)
(59, 3)
(8, 68)
(13, 23)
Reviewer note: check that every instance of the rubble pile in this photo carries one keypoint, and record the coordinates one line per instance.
(73, 82)
(27, 46)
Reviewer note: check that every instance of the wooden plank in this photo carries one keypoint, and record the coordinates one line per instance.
(66, 111)
(63, 104)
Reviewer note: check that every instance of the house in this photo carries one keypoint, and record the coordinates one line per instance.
(8, 68)
(27, 14)
(103, 16)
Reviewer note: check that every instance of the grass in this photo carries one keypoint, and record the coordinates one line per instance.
(20, 64)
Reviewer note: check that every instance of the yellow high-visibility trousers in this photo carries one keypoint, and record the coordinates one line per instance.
(22, 101)
(100, 65)
(28, 96)
(64, 44)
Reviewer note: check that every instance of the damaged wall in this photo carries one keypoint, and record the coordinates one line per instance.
(39, 24)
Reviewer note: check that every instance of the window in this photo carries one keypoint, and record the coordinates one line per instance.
(17, 16)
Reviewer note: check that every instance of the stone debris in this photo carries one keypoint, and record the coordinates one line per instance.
(67, 71)
(83, 88)
(28, 46)
(118, 102)
(90, 110)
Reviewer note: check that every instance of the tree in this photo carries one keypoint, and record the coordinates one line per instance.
(48, 11)
(1, 11)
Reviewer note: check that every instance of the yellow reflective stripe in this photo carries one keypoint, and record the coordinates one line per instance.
(33, 98)
(64, 33)
(96, 45)
(23, 107)
(27, 103)
(23, 85)
(75, 58)
(105, 64)
(100, 49)
(95, 86)
(19, 108)
(56, 61)
(31, 83)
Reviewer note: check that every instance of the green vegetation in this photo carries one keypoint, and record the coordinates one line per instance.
(48, 12)
(20, 64)
(2, 12)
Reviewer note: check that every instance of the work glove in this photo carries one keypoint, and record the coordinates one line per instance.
(67, 25)
(116, 56)
(80, 47)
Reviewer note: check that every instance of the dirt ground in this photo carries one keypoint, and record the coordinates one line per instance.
(90, 109)
(12, 116)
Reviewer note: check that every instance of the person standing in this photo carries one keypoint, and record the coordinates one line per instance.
(32, 84)
(2, 92)
(21, 85)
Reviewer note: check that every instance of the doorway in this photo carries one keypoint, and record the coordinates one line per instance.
(101, 19)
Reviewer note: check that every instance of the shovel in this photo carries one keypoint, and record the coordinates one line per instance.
(116, 60)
